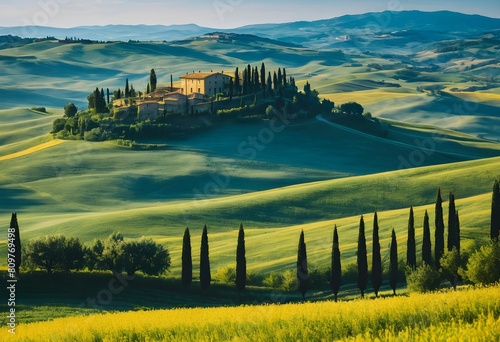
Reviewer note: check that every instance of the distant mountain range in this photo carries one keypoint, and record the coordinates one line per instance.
(356, 31)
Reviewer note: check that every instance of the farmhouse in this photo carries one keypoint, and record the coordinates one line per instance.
(206, 83)
(148, 110)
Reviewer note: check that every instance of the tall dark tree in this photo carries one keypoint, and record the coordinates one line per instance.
(249, 79)
(241, 261)
(256, 80)
(127, 89)
(336, 269)
(245, 82)
(263, 79)
(495, 212)
(17, 242)
(439, 233)
(411, 253)
(284, 77)
(252, 80)
(376, 258)
(275, 83)
(302, 272)
(426, 243)
(187, 261)
(452, 235)
(99, 102)
(107, 95)
(148, 89)
(362, 258)
(393, 263)
(153, 80)
(269, 84)
(237, 83)
(280, 78)
(205, 277)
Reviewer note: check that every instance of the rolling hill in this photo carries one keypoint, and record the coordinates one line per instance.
(432, 83)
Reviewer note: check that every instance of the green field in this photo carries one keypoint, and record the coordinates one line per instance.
(442, 131)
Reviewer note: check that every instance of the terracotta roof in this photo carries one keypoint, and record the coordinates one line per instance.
(201, 75)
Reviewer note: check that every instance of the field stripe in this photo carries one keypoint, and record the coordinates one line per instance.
(33, 149)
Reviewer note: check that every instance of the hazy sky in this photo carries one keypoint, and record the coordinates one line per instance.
(212, 13)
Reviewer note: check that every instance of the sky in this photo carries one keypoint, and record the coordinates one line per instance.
(212, 13)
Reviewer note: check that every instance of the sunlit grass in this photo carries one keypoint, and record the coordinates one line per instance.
(418, 317)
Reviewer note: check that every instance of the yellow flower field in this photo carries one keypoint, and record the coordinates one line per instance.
(466, 315)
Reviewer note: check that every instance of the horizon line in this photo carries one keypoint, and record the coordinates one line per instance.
(255, 24)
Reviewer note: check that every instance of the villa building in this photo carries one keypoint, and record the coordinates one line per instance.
(206, 83)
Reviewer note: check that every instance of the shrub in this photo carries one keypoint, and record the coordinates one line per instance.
(39, 109)
(274, 280)
(423, 279)
(226, 275)
(58, 125)
(289, 281)
(54, 253)
(484, 265)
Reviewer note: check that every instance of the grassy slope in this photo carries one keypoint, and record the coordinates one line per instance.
(328, 203)
(55, 189)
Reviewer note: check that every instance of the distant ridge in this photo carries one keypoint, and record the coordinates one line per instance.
(293, 32)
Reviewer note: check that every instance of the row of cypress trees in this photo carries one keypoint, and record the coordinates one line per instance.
(336, 269)
(362, 260)
(205, 274)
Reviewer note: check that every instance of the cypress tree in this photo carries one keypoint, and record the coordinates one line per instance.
(302, 272)
(127, 89)
(284, 77)
(187, 261)
(439, 233)
(241, 262)
(152, 80)
(451, 222)
(362, 258)
(426, 244)
(393, 267)
(148, 89)
(249, 79)
(205, 277)
(237, 85)
(245, 82)
(495, 212)
(275, 83)
(107, 95)
(376, 258)
(256, 80)
(336, 271)
(17, 242)
(280, 78)
(411, 253)
(263, 79)
(269, 84)
(252, 80)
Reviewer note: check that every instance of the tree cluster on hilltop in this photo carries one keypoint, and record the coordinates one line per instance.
(256, 93)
